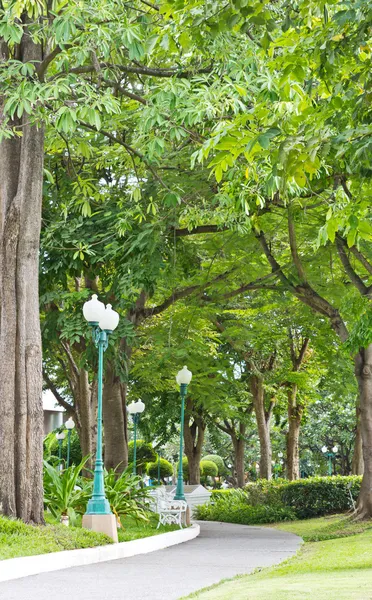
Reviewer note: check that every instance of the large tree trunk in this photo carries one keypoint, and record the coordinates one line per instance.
(193, 439)
(114, 421)
(357, 467)
(263, 425)
(363, 372)
(239, 448)
(294, 423)
(21, 411)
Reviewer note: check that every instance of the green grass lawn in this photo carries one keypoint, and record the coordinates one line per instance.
(337, 568)
(134, 530)
(18, 539)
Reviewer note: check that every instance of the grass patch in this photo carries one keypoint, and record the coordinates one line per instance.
(337, 568)
(134, 530)
(326, 528)
(18, 539)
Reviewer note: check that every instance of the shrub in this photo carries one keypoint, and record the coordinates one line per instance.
(209, 468)
(145, 454)
(218, 461)
(240, 512)
(318, 496)
(166, 469)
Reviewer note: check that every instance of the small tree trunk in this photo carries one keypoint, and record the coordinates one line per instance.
(263, 426)
(114, 421)
(193, 438)
(294, 423)
(239, 448)
(357, 467)
(21, 411)
(363, 371)
(86, 416)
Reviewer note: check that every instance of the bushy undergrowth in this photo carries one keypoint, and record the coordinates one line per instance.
(233, 508)
(305, 498)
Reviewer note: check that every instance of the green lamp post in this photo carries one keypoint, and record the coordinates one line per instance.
(330, 455)
(103, 322)
(60, 437)
(158, 468)
(183, 379)
(135, 409)
(69, 426)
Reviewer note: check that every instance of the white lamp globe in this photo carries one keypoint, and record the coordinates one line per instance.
(69, 424)
(60, 436)
(324, 449)
(93, 309)
(280, 454)
(136, 408)
(140, 406)
(109, 319)
(335, 449)
(184, 376)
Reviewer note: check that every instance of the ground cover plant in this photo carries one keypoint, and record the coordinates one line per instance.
(339, 567)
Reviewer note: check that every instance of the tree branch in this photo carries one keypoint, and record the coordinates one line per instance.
(68, 407)
(362, 259)
(354, 277)
(200, 229)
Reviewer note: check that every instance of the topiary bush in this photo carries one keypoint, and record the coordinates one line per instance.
(218, 461)
(145, 454)
(166, 469)
(208, 468)
(185, 469)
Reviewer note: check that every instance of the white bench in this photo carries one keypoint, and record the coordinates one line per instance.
(170, 511)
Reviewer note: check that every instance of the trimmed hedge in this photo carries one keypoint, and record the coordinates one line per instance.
(312, 497)
(318, 496)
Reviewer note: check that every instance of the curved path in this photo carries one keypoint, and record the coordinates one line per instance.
(221, 551)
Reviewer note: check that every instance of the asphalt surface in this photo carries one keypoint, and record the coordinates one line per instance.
(221, 551)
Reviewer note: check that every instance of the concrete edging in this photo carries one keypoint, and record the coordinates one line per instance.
(16, 568)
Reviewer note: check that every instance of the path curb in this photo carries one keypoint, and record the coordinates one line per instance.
(16, 568)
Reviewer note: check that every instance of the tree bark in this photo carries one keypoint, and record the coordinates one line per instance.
(21, 411)
(295, 412)
(263, 425)
(363, 372)
(357, 467)
(238, 442)
(193, 438)
(114, 421)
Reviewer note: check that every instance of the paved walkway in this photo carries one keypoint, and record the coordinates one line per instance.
(222, 550)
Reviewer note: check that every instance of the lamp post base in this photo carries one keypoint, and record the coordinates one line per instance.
(102, 524)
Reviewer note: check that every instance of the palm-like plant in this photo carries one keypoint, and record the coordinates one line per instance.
(66, 493)
(126, 495)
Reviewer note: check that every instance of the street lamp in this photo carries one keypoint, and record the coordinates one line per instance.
(60, 437)
(183, 379)
(103, 321)
(330, 456)
(69, 426)
(135, 410)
